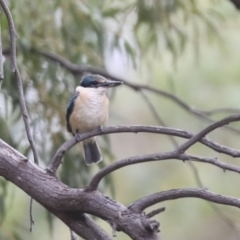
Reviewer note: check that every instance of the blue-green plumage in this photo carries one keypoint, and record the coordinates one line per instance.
(90, 81)
(70, 107)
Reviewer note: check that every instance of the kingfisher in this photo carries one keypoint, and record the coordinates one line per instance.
(88, 110)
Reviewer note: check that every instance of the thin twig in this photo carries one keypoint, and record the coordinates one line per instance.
(15, 69)
(172, 139)
(225, 218)
(1, 54)
(155, 212)
(73, 235)
(114, 229)
(157, 117)
(213, 161)
(31, 216)
(12, 33)
(223, 110)
(145, 202)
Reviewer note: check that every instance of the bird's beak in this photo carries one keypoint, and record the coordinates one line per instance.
(110, 83)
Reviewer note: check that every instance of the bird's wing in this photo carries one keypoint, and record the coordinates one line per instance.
(70, 107)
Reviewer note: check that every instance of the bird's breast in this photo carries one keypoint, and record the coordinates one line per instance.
(90, 111)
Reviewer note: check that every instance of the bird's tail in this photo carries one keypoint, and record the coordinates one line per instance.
(92, 152)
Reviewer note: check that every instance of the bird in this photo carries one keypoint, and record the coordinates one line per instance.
(87, 110)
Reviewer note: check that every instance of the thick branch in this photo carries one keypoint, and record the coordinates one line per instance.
(145, 202)
(15, 69)
(70, 203)
(135, 129)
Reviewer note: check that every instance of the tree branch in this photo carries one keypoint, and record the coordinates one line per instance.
(172, 139)
(1, 52)
(213, 161)
(145, 202)
(56, 161)
(207, 130)
(81, 69)
(15, 69)
(126, 162)
(70, 203)
(155, 157)
(12, 33)
(223, 110)
(155, 212)
(157, 117)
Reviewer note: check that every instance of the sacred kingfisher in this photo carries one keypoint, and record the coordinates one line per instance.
(88, 110)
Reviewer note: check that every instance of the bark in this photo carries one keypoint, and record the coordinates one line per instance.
(70, 204)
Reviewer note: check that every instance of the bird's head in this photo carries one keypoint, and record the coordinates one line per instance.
(97, 81)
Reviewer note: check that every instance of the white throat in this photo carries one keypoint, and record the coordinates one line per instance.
(97, 91)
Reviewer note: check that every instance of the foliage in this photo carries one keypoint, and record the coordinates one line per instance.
(84, 32)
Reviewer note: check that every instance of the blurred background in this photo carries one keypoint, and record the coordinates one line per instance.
(187, 48)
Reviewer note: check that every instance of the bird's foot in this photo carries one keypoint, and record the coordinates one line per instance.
(78, 137)
(100, 129)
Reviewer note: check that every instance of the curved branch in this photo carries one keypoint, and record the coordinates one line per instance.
(207, 130)
(15, 69)
(126, 162)
(213, 161)
(145, 202)
(56, 161)
(171, 138)
(155, 157)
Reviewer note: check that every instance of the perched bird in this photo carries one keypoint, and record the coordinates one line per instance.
(88, 110)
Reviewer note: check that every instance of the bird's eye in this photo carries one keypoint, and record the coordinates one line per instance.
(94, 82)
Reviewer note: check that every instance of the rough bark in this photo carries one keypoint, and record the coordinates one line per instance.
(70, 204)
